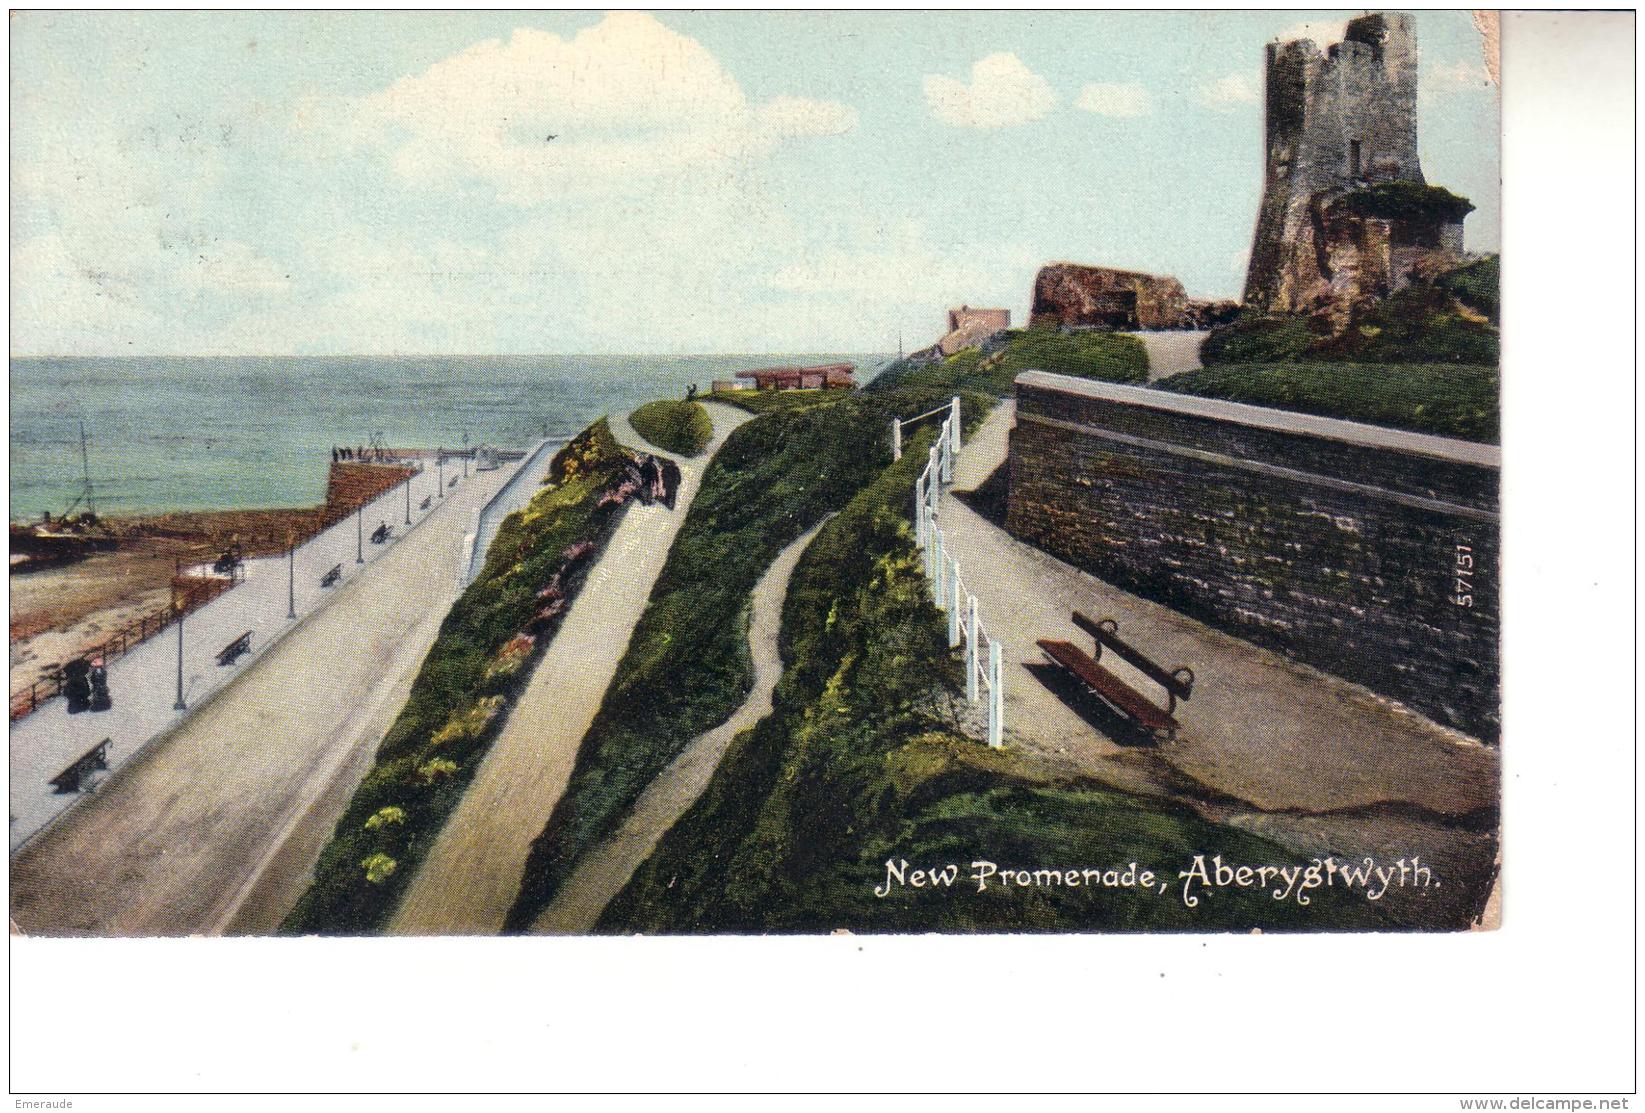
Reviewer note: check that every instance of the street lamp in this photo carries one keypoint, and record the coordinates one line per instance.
(291, 577)
(360, 534)
(408, 500)
(441, 465)
(180, 705)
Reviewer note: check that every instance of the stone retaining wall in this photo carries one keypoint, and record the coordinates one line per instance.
(1369, 553)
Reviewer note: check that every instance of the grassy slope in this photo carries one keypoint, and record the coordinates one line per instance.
(1445, 399)
(674, 426)
(1451, 320)
(861, 759)
(687, 666)
(859, 763)
(464, 666)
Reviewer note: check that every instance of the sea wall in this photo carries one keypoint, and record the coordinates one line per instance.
(1367, 552)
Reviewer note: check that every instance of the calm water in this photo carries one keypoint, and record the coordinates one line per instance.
(195, 434)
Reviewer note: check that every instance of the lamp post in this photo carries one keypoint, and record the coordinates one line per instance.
(465, 455)
(360, 534)
(408, 500)
(291, 577)
(441, 465)
(180, 705)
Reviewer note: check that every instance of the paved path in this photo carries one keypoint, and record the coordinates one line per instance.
(472, 873)
(1268, 744)
(179, 838)
(603, 871)
(1171, 352)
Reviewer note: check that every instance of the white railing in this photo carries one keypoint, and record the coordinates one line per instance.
(984, 669)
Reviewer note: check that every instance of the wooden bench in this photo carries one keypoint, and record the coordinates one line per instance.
(424, 504)
(453, 482)
(1116, 693)
(70, 779)
(380, 534)
(235, 649)
(332, 576)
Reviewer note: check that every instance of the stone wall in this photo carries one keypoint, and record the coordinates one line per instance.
(968, 327)
(1332, 542)
(350, 484)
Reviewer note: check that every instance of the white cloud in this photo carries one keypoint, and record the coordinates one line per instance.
(623, 103)
(1002, 92)
(1121, 100)
(1228, 94)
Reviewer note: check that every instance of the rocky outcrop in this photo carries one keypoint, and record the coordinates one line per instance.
(1071, 295)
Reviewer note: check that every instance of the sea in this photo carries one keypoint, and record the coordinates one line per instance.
(240, 433)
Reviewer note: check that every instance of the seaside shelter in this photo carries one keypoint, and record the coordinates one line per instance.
(828, 376)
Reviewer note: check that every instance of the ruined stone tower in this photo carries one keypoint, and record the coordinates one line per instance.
(1339, 123)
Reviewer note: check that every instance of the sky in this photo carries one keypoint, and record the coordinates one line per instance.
(315, 183)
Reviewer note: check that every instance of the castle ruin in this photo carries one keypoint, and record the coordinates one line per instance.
(1346, 214)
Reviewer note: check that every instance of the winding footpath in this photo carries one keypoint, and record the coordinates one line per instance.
(603, 871)
(473, 871)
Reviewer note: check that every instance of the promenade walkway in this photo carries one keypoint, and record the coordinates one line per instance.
(472, 873)
(198, 802)
(1171, 352)
(1267, 743)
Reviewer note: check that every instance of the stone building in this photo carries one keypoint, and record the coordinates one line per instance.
(969, 327)
(1072, 295)
(1346, 214)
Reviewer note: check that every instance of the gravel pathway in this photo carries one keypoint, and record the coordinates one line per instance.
(472, 872)
(602, 873)
(1170, 353)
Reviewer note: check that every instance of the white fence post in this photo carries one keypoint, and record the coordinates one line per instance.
(996, 698)
(954, 610)
(896, 440)
(971, 663)
(939, 562)
(954, 419)
(919, 512)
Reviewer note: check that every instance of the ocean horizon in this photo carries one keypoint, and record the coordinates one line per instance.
(251, 432)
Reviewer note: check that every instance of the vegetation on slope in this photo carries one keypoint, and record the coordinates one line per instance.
(1445, 399)
(864, 758)
(1449, 320)
(674, 426)
(485, 649)
(1109, 356)
(687, 667)
(861, 764)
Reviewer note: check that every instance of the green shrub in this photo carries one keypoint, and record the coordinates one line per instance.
(470, 676)
(683, 428)
(1445, 399)
(1253, 338)
(1406, 200)
(1476, 285)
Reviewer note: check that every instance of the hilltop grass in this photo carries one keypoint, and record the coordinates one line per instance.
(860, 764)
(778, 401)
(687, 666)
(1449, 320)
(1108, 356)
(1444, 399)
(460, 698)
(682, 428)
